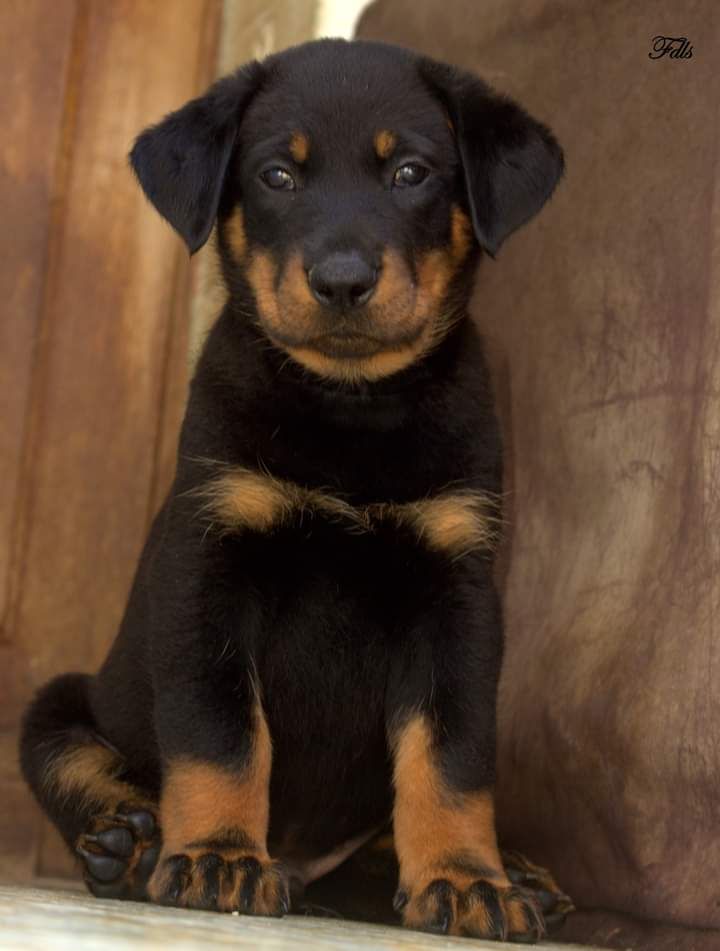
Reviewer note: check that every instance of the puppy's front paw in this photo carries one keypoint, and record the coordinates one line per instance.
(220, 881)
(478, 909)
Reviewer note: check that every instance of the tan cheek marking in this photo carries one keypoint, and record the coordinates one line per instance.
(385, 142)
(235, 234)
(90, 772)
(286, 307)
(299, 147)
(437, 268)
(394, 286)
(461, 235)
(205, 801)
(294, 286)
(434, 274)
(261, 275)
(433, 824)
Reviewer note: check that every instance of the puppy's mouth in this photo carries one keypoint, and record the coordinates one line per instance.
(347, 345)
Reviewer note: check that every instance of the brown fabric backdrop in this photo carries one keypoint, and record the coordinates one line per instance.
(604, 325)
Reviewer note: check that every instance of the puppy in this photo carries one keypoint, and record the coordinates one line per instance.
(312, 644)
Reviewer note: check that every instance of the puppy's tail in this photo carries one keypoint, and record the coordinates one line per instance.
(73, 773)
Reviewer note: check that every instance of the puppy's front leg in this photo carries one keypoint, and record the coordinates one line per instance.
(214, 743)
(442, 730)
(215, 819)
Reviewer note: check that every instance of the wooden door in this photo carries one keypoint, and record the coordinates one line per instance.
(93, 342)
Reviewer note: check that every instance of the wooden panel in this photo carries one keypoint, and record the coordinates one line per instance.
(101, 396)
(35, 44)
(34, 51)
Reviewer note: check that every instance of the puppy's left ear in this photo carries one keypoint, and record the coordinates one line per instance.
(511, 162)
(181, 163)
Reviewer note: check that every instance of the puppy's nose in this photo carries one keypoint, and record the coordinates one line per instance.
(343, 280)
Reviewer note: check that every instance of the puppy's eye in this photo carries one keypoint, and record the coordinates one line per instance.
(409, 174)
(278, 179)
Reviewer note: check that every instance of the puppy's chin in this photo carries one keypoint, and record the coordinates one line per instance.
(355, 357)
(348, 346)
(356, 343)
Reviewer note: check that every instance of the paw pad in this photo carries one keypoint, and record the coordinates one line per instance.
(120, 853)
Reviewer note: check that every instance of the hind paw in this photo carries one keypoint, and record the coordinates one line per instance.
(477, 909)
(555, 904)
(120, 852)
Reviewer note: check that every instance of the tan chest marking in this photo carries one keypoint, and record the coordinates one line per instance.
(453, 522)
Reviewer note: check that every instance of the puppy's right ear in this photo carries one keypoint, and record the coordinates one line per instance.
(181, 163)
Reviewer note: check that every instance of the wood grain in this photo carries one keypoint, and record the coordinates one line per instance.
(86, 460)
(35, 52)
(41, 919)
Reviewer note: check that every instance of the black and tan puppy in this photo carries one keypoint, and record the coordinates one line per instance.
(313, 640)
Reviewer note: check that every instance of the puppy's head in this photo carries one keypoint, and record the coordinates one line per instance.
(353, 184)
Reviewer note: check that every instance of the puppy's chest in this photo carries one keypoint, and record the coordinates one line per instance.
(450, 522)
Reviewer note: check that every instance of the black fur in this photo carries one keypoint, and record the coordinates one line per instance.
(345, 633)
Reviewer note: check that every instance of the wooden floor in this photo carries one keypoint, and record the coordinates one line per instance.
(46, 920)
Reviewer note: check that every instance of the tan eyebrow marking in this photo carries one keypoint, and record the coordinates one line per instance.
(453, 522)
(385, 142)
(299, 147)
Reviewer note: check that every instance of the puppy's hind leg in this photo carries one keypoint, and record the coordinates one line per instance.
(80, 782)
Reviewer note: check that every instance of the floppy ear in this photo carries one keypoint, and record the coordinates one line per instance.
(511, 162)
(181, 162)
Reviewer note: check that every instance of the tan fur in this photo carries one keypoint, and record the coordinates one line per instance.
(394, 292)
(432, 823)
(374, 367)
(248, 499)
(299, 147)
(235, 234)
(455, 523)
(461, 234)
(385, 142)
(261, 275)
(286, 306)
(444, 835)
(90, 771)
(200, 800)
(452, 522)
(243, 499)
(435, 271)
(294, 289)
